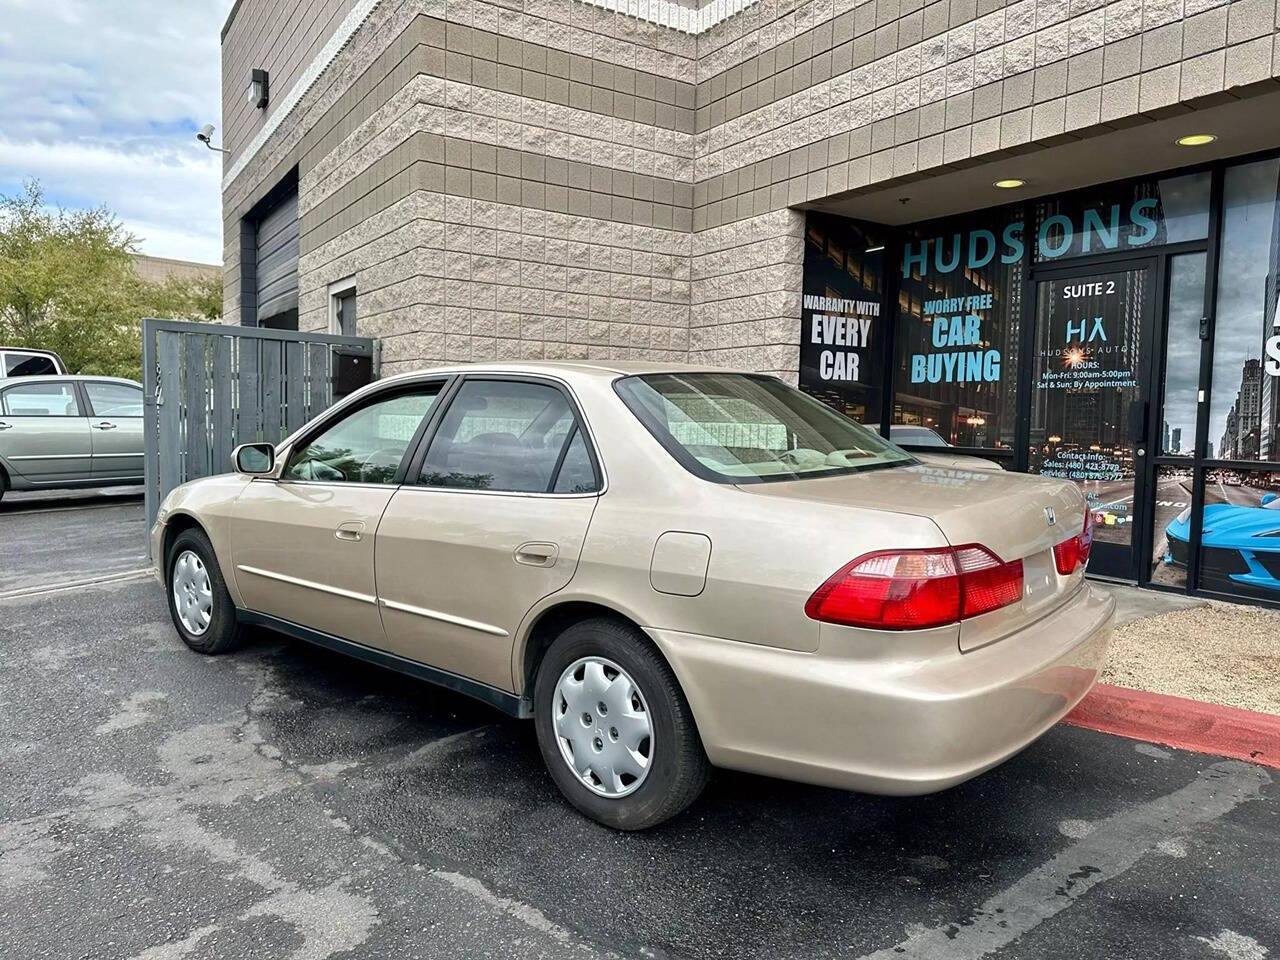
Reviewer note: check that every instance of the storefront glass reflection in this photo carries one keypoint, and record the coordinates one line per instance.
(959, 317)
(1170, 542)
(1182, 355)
(1244, 417)
(1240, 540)
(841, 332)
(1086, 386)
(1120, 217)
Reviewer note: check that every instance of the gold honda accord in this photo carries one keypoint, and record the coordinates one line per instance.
(666, 568)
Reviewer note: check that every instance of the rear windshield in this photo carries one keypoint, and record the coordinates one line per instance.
(29, 365)
(740, 428)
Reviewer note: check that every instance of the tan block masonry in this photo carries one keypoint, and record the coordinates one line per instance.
(791, 123)
(375, 160)
(747, 280)
(446, 278)
(801, 101)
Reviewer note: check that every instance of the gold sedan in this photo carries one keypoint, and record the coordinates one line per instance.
(666, 568)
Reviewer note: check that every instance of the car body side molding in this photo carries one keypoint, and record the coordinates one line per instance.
(508, 703)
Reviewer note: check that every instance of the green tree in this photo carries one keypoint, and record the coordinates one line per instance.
(67, 283)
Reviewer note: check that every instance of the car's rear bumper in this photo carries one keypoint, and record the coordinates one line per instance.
(895, 726)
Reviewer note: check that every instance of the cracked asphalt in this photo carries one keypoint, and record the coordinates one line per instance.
(284, 802)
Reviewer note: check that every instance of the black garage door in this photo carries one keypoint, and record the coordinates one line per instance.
(278, 264)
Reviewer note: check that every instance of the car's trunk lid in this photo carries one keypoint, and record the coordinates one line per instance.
(1017, 517)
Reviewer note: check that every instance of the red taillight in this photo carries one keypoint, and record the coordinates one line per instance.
(914, 589)
(1073, 553)
(987, 583)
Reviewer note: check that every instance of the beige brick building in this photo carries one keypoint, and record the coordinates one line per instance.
(560, 179)
(874, 198)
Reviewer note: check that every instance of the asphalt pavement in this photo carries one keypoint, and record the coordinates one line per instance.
(283, 802)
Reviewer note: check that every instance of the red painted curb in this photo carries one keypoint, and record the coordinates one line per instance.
(1181, 723)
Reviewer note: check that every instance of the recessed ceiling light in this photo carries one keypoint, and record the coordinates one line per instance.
(1196, 140)
(1011, 184)
(874, 249)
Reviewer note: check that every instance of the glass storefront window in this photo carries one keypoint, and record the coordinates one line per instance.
(1118, 217)
(1171, 542)
(1182, 355)
(1240, 540)
(1244, 412)
(959, 317)
(841, 332)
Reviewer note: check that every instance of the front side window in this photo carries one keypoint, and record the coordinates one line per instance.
(114, 399)
(739, 428)
(29, 365)
(40, 400)
(507, 435)
(367, 445)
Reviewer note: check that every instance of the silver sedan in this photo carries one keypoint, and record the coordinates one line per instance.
(65, 431)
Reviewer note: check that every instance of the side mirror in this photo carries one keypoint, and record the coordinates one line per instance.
(254, 459)
(1268, 498)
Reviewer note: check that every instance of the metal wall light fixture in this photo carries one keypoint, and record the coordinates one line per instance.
(259, 91)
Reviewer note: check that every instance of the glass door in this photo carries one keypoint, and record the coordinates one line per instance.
(1090, 398)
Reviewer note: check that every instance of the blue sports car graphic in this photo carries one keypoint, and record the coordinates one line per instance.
(1239, 545)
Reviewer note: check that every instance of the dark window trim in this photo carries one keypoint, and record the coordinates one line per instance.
(413, 471)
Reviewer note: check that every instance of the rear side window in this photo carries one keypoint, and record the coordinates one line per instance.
(40, 400)
(29, 365)
(509, 436)
(576, 475)
(114, 399)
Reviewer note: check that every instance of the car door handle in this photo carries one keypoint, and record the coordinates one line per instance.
(351, 530)
(536, 554)
(104, 425)
(6, 426)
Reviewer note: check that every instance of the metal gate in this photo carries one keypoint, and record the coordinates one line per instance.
(209, 387)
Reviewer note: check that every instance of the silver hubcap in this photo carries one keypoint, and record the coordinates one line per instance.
(192, 593)
(603, 726)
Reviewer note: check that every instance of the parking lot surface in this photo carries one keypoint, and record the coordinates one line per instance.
(285, 802)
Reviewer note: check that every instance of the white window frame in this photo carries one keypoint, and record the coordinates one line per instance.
(337, 290)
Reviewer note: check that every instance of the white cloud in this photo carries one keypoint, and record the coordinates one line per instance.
(100, 100)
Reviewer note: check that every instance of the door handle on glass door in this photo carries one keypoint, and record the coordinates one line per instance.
(536, 554)
(104, 425)
(351, 530)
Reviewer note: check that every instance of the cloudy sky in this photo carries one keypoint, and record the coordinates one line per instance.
(100, 101)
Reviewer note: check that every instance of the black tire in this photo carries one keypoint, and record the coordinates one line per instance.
(679, 768)
(224, 633)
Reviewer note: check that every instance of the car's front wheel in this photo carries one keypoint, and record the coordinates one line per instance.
(614, 728)
(199, 603)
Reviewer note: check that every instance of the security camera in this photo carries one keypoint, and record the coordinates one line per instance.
(205, 136)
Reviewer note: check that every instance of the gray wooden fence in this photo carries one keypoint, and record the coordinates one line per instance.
(209, 387)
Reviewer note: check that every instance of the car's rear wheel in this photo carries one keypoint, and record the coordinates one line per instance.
(199, 603)
(614, 728)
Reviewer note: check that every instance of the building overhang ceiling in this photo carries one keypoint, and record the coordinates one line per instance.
(1144, 144)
